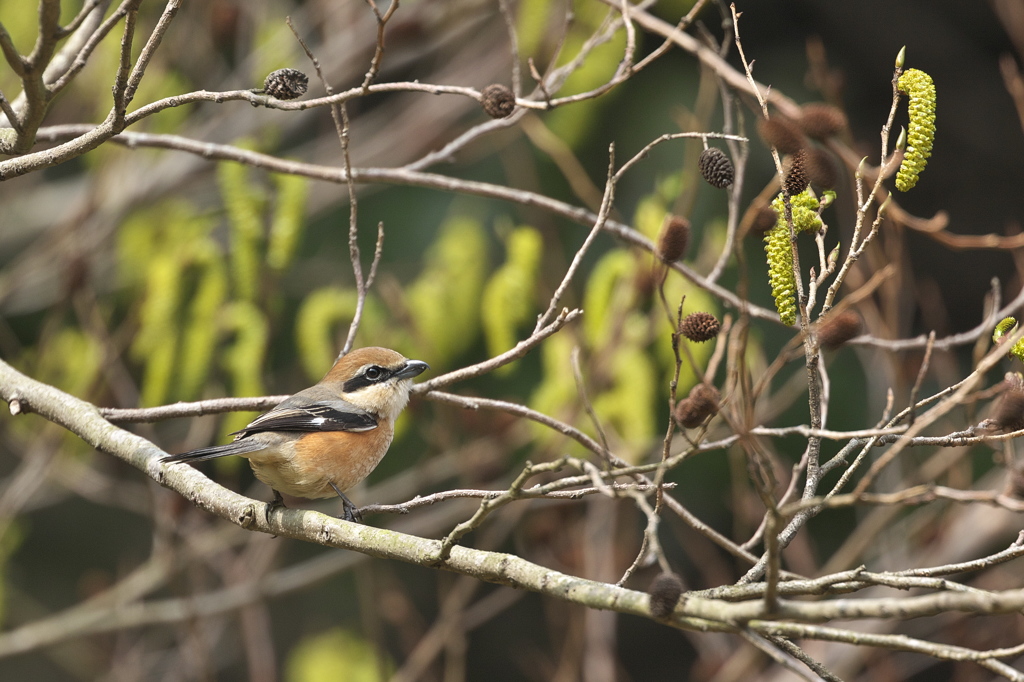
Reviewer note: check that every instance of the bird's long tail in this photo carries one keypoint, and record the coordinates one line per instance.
(239, 447)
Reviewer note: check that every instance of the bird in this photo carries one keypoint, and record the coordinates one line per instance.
(325, 439)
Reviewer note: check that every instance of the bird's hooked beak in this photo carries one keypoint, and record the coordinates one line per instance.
(411, 368)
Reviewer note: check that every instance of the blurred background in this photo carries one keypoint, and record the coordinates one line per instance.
(140, 277)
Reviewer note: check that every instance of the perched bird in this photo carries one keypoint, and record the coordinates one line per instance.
(327, 438)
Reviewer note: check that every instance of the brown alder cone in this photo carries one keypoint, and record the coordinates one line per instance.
(286, 84)
(498, 101)
(795, 179)
(716, 168)
(699, 326)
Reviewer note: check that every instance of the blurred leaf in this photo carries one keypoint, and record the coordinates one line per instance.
(157, 339)
(243, 359)
(244, 208)
(201, 331)
(289, 214)
(320, 313)
(608, 295)
(11, 536)
(650, 216)
(274, 46)
(444, 302)
(556, 395)
(532, 25)
(151, 233)
(628, 405)
(508, 296)
(336, 655)
(70, 360)
(572, 124)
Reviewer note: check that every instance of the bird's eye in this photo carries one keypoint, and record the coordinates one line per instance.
(374, 373)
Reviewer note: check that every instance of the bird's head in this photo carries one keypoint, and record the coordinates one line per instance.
(375, 379)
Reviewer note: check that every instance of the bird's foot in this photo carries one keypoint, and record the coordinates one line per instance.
(351, 512)
(277, 502)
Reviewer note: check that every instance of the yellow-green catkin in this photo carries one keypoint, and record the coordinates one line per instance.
(780, 271)
(1006, 326)
(921, 133)
(286, 227)
(779, 251)
(508, 298)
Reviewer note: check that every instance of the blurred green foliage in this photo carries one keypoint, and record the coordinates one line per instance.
(195, 297)
(444, 302)
(11, 535)
(508, 298)
(536, 17)
(628, 336)
(335, 655)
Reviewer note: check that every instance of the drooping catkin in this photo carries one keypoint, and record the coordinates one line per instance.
(921, 131)
(778, 250)
(780, 271)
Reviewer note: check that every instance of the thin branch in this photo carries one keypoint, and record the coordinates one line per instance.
(150, 48)
(577, 259)
(533, 493)
(378, 55)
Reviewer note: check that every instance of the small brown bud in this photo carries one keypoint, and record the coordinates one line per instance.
(665, 591)
(782, 134)
(821, 169)
(1009, 414)
(687, 414)
(707, 395)
(702, 403)
(822, 121)
(838, 329)
(796, 179)
(286, 84)
(716, 168)
(498, 101)
(674, 238)
(699, 327)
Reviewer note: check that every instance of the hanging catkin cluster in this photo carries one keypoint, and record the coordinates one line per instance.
(921, 131)
(1005, 327)
(780, 253)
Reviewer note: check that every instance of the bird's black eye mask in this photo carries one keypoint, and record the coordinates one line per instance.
(370, 375)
